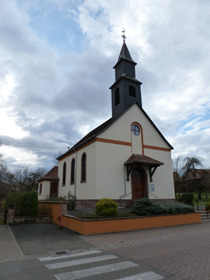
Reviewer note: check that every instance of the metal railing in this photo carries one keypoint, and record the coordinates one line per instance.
(123, 196)
(198, 200)
(153, 194)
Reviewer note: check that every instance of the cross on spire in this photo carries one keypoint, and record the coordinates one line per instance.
(123, 35)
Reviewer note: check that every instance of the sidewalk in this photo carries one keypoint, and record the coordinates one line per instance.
(9, 248)
(180, 250)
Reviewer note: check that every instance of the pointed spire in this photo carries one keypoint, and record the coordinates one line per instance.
(124, 53)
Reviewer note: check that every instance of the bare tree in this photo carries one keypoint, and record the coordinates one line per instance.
(190, 172)
(177, 165)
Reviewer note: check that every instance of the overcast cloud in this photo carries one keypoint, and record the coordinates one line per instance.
(56, 60)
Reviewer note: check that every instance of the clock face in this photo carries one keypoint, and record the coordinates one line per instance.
(135, 129)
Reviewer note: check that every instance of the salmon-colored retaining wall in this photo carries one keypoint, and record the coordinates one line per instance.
(116, 225)
(126, 224)
(57, 208)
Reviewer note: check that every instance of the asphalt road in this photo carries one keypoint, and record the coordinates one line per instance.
(44, 252)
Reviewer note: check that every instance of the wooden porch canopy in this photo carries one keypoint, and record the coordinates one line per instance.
(142, 160)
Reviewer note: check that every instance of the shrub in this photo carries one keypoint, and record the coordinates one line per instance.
(187, 198)
(71, 205)
(29, 204)
(26, 204)
(145, 207)
(106, 207)
(54, 198)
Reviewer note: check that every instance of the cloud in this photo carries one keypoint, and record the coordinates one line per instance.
(56, 60)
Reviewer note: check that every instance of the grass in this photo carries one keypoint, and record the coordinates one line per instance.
(203, 198)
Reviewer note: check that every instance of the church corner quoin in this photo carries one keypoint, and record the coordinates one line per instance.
(125, 158)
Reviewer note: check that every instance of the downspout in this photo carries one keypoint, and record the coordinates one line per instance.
(75, 175)
(124, 186)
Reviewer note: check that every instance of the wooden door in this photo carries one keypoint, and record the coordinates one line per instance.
(138, 183)
(54, 189)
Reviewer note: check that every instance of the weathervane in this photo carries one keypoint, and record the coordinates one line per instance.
(123, 36)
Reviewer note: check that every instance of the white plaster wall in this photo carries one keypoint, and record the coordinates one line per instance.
(110, 160)
(85, 190)
(163, 176)
(120, 130)
(105, 161)
(63, 190)
(136, 141)
(45, 190)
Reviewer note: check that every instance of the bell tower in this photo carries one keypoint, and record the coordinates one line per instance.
(126, 89)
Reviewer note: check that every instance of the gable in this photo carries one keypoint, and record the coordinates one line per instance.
(120, 130)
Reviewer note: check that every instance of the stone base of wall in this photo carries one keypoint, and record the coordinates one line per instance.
(90, 203)
(30, 220)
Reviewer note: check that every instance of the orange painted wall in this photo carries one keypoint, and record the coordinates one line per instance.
(105, 226)
(56, 209)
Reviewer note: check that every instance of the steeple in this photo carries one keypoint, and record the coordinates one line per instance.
(126, 89)
(124, 54)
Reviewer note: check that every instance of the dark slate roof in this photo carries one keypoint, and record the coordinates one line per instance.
(127, 78)
(91, 135)
(124, 54)
(95, 132)
(136, 158)
(50, 175)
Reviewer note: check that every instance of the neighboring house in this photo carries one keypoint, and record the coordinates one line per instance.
(48, 184)
(195, 180)
(125, 157)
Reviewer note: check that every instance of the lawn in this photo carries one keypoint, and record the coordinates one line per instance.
(203, 198)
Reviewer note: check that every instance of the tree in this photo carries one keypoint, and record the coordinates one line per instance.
(5, 179)
(190, 173)
(177, 165)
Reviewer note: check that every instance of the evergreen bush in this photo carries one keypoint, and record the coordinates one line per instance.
(106, 207)
(145, 207)
(187, 198)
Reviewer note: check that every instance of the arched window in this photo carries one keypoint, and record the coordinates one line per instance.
(132, 91)
(135, 129)
(83, 167)
(72, 171)
(117, 96)
(40, 189)
(64, 174)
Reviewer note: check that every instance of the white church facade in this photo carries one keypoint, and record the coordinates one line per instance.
(125, 158)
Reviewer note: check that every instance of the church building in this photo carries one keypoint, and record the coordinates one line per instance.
(125, 158)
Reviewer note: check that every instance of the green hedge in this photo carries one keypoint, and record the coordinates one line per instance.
(145, 207)
(26, 204)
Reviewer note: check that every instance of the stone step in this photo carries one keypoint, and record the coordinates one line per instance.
(204, 217)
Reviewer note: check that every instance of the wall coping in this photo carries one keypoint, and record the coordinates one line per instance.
(53, 202)
(126, 218)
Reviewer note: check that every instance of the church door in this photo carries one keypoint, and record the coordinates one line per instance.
(139, 183)
(54, 189)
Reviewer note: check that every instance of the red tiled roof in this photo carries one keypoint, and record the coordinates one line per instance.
(136, 158)
(199, 174)
(50, 175)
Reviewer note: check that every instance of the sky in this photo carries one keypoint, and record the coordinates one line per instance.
(56, 67)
